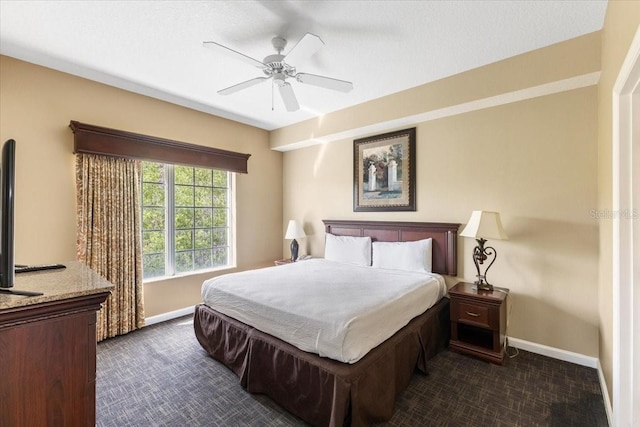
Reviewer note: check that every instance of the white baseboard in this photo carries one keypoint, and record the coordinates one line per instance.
(168, 316)
(569, 356)
(556, 353)
(605, 394)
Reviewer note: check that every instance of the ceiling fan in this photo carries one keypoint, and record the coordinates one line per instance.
(279, 68)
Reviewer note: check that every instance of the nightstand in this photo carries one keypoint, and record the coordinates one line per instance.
(283, 261)
(478, 321)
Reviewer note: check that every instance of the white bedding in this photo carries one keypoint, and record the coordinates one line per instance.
(333, 309)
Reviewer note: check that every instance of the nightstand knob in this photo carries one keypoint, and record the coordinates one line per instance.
(472, 314)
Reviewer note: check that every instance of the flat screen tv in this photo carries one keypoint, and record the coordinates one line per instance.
(7, 184)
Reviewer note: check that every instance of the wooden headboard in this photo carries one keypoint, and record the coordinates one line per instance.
(444, 237)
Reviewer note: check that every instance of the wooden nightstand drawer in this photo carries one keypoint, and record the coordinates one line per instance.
(473, 313)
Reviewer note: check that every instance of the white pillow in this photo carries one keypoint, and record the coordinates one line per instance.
(408, 256)
(352, 250)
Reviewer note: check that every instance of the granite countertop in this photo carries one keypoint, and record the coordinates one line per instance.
(74, 281)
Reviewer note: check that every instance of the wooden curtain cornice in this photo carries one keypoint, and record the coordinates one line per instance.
(90, 139)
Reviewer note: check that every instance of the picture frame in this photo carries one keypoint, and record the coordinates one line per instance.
(384, 172)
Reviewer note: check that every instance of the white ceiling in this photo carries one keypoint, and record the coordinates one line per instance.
(155, 47)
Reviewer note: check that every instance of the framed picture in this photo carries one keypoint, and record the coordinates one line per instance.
(384, 172)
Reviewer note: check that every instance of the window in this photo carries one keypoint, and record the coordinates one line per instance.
(186, 217)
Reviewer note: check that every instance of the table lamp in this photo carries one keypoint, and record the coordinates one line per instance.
(484, 225)
(294, 231)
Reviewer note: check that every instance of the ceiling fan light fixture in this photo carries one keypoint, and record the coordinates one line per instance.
(279, 79)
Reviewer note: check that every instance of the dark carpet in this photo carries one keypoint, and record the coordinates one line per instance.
(160, 376)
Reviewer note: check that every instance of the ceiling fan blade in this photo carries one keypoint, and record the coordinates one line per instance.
(237, 55)
(288, 97)
(237, 87)
(325, 82)
(304, 49)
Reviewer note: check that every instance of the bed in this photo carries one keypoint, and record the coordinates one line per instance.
(350, 387)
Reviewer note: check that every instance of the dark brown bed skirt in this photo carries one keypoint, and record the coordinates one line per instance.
(322, 391)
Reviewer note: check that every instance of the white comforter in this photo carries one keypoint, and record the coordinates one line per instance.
(336, 310)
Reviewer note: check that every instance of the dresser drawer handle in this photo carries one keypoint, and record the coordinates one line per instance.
(473, 314)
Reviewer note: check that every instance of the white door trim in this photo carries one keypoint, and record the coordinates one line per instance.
(626, 183)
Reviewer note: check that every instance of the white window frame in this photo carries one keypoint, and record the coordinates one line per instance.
(169, 189)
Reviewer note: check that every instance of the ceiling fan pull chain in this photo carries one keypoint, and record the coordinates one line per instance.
(272, 107)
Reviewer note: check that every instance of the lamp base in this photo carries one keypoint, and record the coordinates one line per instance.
(294, 250)
(481, 285)
(480, 255)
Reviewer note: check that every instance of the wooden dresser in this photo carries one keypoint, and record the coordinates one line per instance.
(48, 348)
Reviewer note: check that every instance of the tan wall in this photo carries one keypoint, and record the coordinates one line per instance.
(36, 105)
(564, 60)
(621, 23)
(533, 161)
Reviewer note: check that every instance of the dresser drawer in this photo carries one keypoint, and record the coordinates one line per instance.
(475, 313)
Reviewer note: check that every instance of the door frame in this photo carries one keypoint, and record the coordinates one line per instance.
(626, 239)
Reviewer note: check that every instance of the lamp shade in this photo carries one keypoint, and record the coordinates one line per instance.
(294, 230)
(484, 225)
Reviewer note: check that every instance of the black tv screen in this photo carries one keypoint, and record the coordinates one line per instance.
(7, 180)
(7, 195)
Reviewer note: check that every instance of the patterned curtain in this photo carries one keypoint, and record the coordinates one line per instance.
(109, 236)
